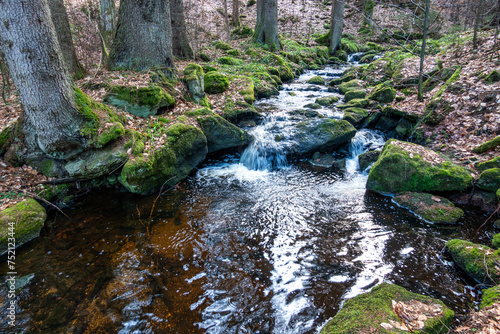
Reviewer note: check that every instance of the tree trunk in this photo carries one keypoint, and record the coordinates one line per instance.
(226, 21)
(266, 28)
(108, 22)
(51, 121)
(63, 31)
(236, 13)
(143, 37)
(477, 22)
(337, 25)
(368, 17)
(180, 43)
(422, 53)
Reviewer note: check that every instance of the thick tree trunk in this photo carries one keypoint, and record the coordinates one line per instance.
(143, 37)
(266, 29)
(236, 13)
(226, 21)
(51, 120)
(180, 43)
(337, 25)
(63, 31)
(108, 21)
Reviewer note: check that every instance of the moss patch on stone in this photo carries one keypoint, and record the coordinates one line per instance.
(493, 163)
(367, 158)
(356, 103)
(216, 83)
(492, 77)
(221, 134)
(409, 167)
(490, 296)
(383, 93)
(478, 261)
(496, 241)
(327, 100)
(316, 80)
(355, 115)
(432, 208)
(349, 85)
(489, 145)
(354, 94)
(367, 312)
(489, 180)
(26, 218)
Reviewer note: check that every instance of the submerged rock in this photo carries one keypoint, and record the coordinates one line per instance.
(24, 220)
(381, 310)
(434, 209)
(404, 166)
(185, 148)
(221, 134)
(478, 261)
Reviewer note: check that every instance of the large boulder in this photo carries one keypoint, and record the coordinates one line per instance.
(216, 83)
(22, 222)
(321, 135)
(432, 208)
(478, 261)
(184, 149)
(350, 85)
(381, 310)
(221, 134)
(142, 102)
(383, 93)
(355, 115)
(404, 166)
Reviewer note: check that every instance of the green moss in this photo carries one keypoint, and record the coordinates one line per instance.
(327, 100)
(230, 61)
(234, 53)
(399, 170)
(316, 80)
(493, 163)
(341, 54)
(199, 112)
(221, 45)
(221, 134)
(356, 103)
(248, 88)
(478, 261)
(496, 241)
(489, 145)
(5, 136)
(383, 93)
(349, 46)
(365, 313)
(192, 72)
(242, 32)
(354, 94)
(492, 77)
(489, 180)
(216, 83)
(348, 86)
(432, 208)
(86, 107)
(490, 296)
(449, 82)
(109, 134)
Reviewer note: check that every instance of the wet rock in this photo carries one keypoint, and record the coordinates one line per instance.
(327, 100)
(25, 219)
(322, 160)
(371, 120)
(355, 115)
(142, 102)
(241, 114)
(486, 201)
(489, 180)
(354, 94)
(368, 158)
(404, 128)
(185, 148)
(340, 166)
(356, 103)
(434, 209)
(312, 106)
(221, 134)
(381, 310)
(317, 80)
(404, 166)
(349, 85)
(478, 261)
(323, 135)
(383, 93)
(386, 123)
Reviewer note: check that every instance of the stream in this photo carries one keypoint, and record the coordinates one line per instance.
(257, 242)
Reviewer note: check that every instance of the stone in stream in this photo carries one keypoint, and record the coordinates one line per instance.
(368, 158)
(355, 115)
(432, 208)
(381, 310)
(404, 166)
(25, 219)
(316, 80)
(478, 261)
(221, 134)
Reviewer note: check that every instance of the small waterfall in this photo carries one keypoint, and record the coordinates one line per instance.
(363, 141)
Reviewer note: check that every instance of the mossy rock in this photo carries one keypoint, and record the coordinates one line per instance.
(355, 115)
(434, 209)
(240, 114)
(228, 60)
(373, 312)
(341, 54)
(349, 85)
(25, 218)
(5, 136)
(321, 135)
(383, 93)
(367, 158)
(496, 241)
(216, 83)
(489, 145)
(404, 128)
(221, 45)
(312, 106)
(489, 180)
(490, 296)
(356, 103)
(404, 167)
(327, 100)
(142, 102)
(354, 94)
(185, 148)
(493, 163)
(221, 134)
(317, 80)
(194, 79)
(264, 85)
(492, 77)
(242, 32)
(478, 261)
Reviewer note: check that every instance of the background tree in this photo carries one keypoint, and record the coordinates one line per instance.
(50, 122)
(107, 20)
(63, 31)
(236, 14)
(180, 43)
(337, 25)
(266, 28)
(143, 37)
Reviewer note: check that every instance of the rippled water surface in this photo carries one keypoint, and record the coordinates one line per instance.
(234, 249)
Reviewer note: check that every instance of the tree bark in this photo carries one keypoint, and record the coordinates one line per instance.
(226, 21)
(236, 13)
(180, 43)
(368, 10)
(63, 31)
(422, 53)
(337, 25)
(266, 28)
(50, 121)
(143, 37)
(107, 11)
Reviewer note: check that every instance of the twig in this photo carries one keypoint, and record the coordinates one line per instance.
(487, 220)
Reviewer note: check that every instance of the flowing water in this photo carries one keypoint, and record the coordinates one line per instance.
(257, 243)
